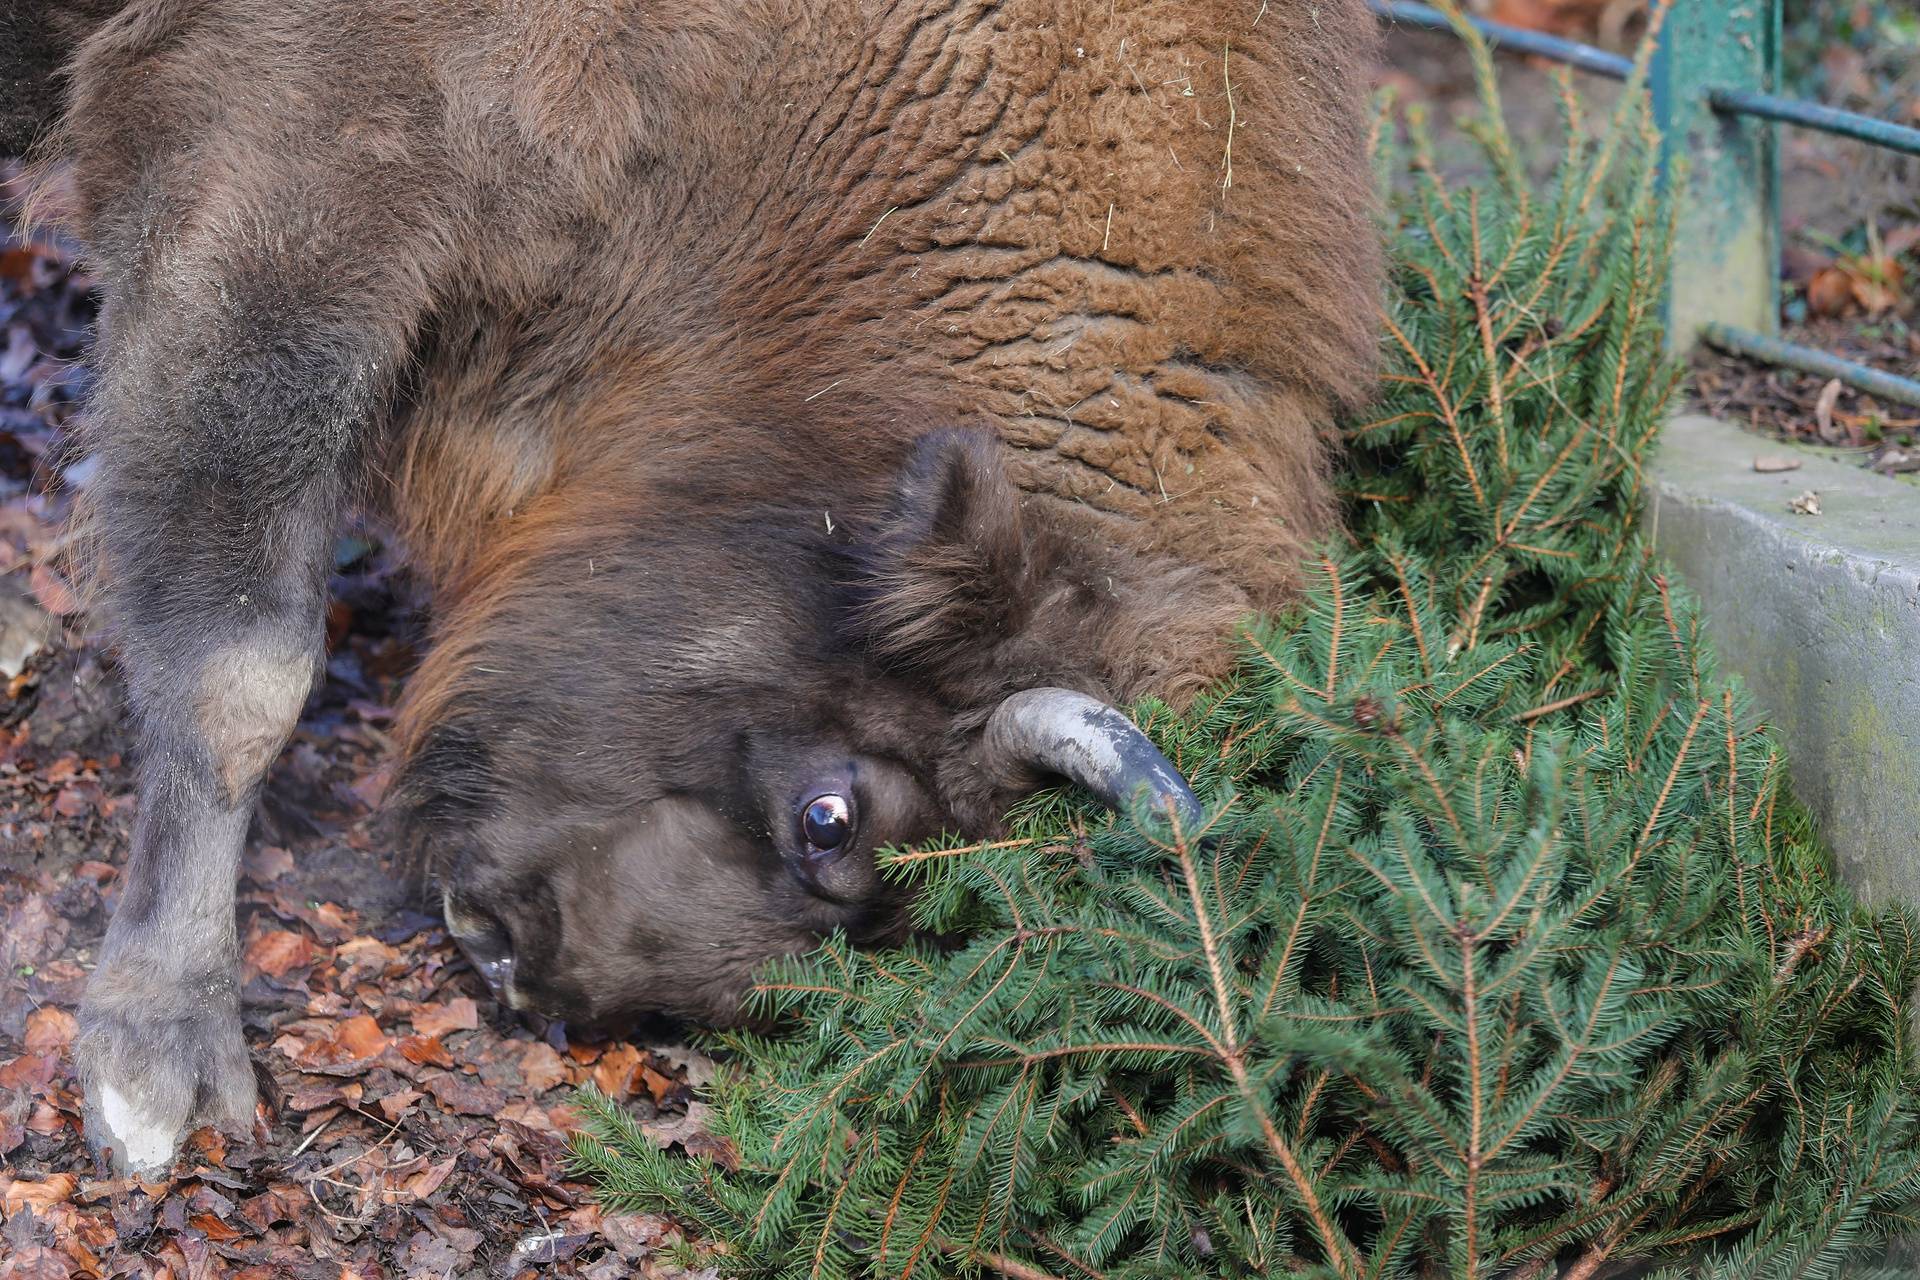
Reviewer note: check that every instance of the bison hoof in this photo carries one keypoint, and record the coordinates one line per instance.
(149, 1078)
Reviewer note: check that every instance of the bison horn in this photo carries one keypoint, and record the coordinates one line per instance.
(1088, 743)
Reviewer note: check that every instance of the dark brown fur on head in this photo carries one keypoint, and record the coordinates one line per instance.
(611, 784)
(981, 590)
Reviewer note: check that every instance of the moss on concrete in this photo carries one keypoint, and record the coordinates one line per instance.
(1821, 617)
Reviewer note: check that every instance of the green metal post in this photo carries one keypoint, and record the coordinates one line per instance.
(1726, 254)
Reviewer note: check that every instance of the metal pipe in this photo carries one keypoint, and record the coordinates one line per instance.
(1768, 106)
(1505, 39)
(1808, 115)
(1888, 386)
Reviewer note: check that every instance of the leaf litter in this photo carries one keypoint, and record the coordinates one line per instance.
(410, 1126)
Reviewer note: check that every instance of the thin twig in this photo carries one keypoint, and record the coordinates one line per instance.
(1561, 705)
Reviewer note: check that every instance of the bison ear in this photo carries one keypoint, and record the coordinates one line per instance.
(949, 562)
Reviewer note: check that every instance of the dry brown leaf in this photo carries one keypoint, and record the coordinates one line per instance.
(371, 788)
(634, 1235)
(424, 1051)
(1823, 412)
(99, 1236)
(615, 1071)
(213, 1228)
(1875, 278)
(29, 1071)
(1556, 17)
(84, 1258)
(78, 800)
(464, 1094)
(1807, 504)
(277, 952)
(39, 1196)
(395, 1105)
(315, 1096)
(542, 1068)
(656, 1084)
(532, 1115)
(459, 1014)
(428, 1180)
(351, 1042)
(50, 1030)
(368, 952)
(36, 1262)
(267, 863)
(699, 1069)
(191, 1253)
(690, 1133)
(427, 1254)
(361, 1036)
(20, 265)
(209, 1144)
(280, 1202)
(1830, 292)
(328, 920)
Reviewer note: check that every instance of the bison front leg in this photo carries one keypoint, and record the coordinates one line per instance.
(160, 1045)
(228, 423)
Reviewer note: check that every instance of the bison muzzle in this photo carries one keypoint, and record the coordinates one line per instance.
(808, 418)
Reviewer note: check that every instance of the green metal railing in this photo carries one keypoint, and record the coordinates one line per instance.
(1710, 79)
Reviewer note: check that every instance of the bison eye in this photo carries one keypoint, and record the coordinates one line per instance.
(827, 823)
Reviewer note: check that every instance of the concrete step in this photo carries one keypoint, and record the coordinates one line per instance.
(1820, 614)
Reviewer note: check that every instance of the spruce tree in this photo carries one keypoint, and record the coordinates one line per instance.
(1502, 952)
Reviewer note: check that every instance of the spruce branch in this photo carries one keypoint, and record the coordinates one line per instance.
(1504, 950)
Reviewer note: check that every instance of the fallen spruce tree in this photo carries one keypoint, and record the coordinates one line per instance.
(1503, 953)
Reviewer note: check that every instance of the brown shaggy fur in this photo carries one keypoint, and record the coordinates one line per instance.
(1056, 216)
(691, 348)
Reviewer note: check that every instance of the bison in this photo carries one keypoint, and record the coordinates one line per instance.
(809, 419)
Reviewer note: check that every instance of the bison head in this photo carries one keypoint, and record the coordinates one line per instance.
(664, 747)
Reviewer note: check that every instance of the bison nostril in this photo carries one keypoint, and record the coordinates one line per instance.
(491, 954)
(488, 948)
